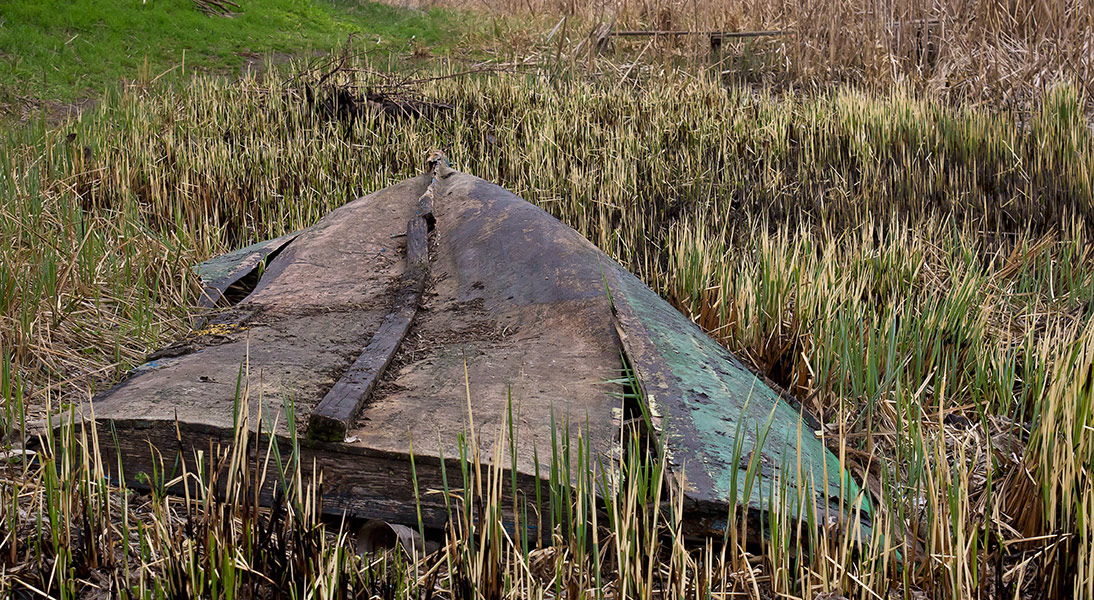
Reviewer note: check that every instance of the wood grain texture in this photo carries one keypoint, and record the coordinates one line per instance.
(508, 325)
(334, 415)
(319, 302)
(357, 482)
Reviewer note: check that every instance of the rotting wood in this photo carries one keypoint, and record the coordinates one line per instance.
(519, 306)
(335, 413)
(338, 409)
(417, 248)
(694, 388)
(425, 208)
(357, 482)
(436, 163)
(222, 272)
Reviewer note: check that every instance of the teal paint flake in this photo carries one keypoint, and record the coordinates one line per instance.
(711, 397)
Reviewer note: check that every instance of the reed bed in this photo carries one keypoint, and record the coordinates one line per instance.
(997, 52)
(919, 276)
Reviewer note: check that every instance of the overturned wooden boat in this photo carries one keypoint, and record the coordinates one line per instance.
(400, 317)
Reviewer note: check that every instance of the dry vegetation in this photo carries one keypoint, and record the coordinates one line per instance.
(919, 276)
(914, 266)
(1003, 53)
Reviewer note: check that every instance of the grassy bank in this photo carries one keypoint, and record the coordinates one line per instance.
(918, 275)
(53, 52)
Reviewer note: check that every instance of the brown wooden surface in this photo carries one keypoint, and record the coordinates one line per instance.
(357, 481)
(513, 317)
(425, 208)
(336, 412)
(417, 246)
(318, 304)
(334, 415)
(243, 264)
(514, 333)
(516, 302)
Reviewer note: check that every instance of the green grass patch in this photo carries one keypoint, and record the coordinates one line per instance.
(63, 51)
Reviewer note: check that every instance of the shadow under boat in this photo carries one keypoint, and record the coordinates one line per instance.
(398, 315)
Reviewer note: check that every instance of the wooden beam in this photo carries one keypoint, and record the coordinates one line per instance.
(357, 482)
(720, 35)
(335, 414)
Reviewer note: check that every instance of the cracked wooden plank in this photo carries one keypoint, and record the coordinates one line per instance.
(220, 273)
(334, 415)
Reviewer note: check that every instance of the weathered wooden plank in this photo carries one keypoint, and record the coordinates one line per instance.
(220, 273)
(336, 412)
(516, 329)
(357, 482)
(425, 207)
(417, 246)
(317, 304)
(436, 163)
(514, 324)
(339, 407)
(720, 423)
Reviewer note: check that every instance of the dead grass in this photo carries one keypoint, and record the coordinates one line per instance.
(916, 274)
(1002, 53)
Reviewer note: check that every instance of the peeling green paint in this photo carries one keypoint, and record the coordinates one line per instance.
(715, 413)
(225, 265)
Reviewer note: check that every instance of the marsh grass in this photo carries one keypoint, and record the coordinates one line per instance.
(999, 52)
(73, 530)
(918, 276)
